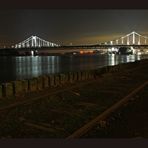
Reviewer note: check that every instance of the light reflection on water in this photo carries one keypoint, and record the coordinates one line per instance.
(13, 68)
(35, 66)
(116, 59)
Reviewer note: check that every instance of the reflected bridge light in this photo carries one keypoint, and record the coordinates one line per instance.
(113, 48)
(109, 49)
(133, 50)
(32, 52)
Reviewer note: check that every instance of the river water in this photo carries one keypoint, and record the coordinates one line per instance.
(25, 67)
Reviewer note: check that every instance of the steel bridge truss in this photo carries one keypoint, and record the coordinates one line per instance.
(132, 38)
(35, 42)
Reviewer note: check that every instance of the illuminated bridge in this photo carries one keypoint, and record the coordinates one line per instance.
(132, 38)
(35, 42)
(33, 45)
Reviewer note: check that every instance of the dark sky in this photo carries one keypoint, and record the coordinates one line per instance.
(77, 26)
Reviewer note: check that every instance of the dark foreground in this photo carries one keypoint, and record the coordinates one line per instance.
(60, 114)
(129, 122)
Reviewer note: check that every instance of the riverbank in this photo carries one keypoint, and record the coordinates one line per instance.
(57, 112)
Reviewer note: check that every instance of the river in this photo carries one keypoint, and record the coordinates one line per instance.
(25, 67)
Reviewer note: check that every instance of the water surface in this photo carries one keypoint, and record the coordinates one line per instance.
(25, 67)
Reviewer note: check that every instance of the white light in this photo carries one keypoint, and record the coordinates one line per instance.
(33, 37)
(139, 53)
(111, 42)
(32, 53)
(116, 41)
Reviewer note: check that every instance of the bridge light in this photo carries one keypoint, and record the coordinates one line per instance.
(122, 39)
(116, 41)
(34, 41)
(33, 37)
(111, 42)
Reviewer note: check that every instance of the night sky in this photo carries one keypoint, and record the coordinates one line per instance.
(76, 26)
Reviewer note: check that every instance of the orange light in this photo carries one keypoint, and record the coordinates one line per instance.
(86, 52)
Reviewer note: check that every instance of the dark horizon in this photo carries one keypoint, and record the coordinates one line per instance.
(70, 26)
